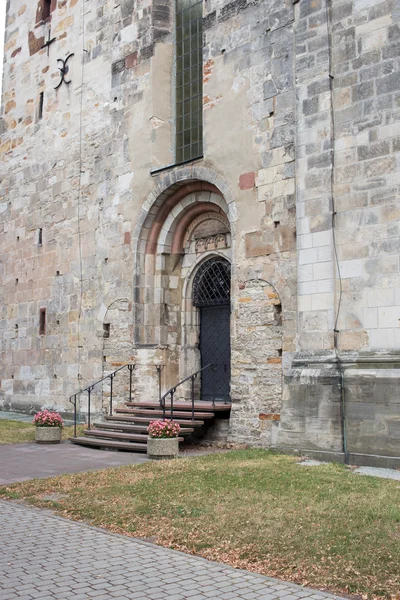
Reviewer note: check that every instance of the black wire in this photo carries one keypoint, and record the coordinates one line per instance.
(336, 331)
(332, 181)
(80, 188)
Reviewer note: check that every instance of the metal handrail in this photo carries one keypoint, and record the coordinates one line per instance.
(89, 389)
(172, 390)
(162, 398)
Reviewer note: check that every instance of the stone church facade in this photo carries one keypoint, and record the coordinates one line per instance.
(151, 149)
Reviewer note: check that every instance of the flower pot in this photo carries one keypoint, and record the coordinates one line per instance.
(48, 435)
(159, 448)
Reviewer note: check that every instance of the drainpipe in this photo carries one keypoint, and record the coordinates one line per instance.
(343, 417)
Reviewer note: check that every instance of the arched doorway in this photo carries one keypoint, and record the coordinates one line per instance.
(212, 297)
(189, 223)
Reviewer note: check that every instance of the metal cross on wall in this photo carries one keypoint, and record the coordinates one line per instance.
(48, 43)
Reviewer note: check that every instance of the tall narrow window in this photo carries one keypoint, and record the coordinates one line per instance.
(46, 9)
(42, 321)
(41, 100)
(189, 79)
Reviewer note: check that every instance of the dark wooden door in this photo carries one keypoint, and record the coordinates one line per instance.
(215, 348)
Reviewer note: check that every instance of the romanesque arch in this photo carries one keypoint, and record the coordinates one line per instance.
(182, 222)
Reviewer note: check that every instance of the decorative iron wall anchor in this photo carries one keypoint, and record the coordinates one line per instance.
(63, 70)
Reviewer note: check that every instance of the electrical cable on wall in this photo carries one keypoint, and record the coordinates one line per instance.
(332, 194)
(332, 178)
(80, 191)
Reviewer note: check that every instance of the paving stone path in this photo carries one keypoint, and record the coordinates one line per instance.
(49, 558)
(21, 462)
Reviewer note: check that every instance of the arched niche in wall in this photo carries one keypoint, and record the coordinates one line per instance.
(257, 362)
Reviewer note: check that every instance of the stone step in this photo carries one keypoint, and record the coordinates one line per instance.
(99, 443)
(159, 413)
(134, 428)
(198, 405)
(138, 420)
(129, 437)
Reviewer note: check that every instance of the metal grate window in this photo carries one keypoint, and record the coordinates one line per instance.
(212, 284)
(189, 79)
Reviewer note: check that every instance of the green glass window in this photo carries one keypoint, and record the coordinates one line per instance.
(189, 79)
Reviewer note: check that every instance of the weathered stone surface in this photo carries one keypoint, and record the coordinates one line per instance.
(247, 181)
(162, 448)
(310, 416)
(48, 435)
(300, 187)
(256, 387)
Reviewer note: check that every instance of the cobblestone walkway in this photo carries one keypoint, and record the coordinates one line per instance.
(49, 558)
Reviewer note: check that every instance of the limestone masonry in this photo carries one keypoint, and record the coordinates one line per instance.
(146, 143)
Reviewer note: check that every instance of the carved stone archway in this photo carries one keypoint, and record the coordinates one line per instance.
(187, 221)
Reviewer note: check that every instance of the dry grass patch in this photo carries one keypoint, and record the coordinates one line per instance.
(17, 432)
(320, 526)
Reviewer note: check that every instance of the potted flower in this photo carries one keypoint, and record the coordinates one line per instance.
(163, 440)
(48, 427)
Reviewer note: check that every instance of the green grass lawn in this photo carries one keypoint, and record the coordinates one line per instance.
(319, 526)
(16, 432)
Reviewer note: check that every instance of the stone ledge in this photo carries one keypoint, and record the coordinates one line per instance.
(361, 460)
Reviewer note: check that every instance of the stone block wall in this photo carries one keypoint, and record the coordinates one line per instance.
(365, 54)
(372, 409)
(311, 417)
(67, 181)
(347, 173)
(257, 359)
(343, 410)
(316, 287)
(301, 158)
(347, 220)
(77, 171)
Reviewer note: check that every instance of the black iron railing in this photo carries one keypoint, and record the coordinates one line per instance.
(192, 378)
(74, 398)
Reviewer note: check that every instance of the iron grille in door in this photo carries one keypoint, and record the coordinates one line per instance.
(212, 284)
(211, 293)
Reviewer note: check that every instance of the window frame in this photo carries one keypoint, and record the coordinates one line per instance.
(188, 80)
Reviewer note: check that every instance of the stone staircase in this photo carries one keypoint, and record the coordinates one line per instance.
(126, 429)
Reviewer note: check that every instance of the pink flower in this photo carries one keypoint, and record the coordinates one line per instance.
(45, 418)
(163, 429)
